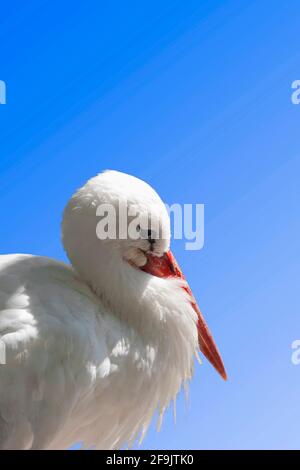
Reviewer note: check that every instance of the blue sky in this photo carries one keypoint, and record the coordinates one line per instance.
(195, 98)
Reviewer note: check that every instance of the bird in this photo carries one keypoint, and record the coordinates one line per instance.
(95, 348)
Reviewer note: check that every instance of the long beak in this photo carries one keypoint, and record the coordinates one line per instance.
(166, 267)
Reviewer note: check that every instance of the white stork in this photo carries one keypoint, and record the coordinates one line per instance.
(94, 349)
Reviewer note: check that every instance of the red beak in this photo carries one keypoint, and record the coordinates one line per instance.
(166, 266)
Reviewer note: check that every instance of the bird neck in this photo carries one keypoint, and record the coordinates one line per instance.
(157, 316)
(157, 309)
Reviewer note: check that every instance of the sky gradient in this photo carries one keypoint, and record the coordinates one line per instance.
(195, 98)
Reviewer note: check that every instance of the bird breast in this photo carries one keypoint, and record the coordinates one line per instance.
(80, 371)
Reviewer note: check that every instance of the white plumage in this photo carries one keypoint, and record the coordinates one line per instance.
(94, 349)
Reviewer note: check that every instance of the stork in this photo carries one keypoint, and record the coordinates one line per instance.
(95, 348)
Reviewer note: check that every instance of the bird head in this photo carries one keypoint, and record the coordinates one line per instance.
(115, 227)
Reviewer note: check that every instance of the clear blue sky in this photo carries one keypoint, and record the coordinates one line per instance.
(195, 98)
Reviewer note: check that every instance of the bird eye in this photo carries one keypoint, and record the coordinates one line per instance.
(148, 234)
(138, 228)
(151, 235)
